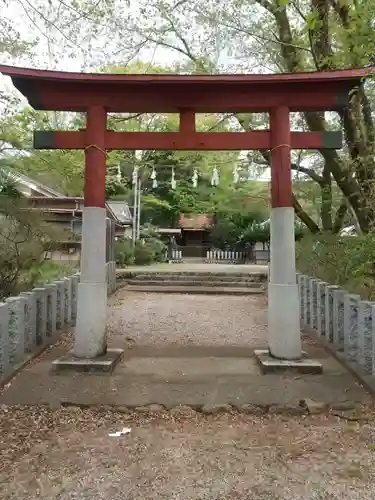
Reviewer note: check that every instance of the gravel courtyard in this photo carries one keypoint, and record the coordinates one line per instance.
(66, 453)
(154, 318)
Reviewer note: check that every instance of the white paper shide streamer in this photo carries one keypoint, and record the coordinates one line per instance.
(135, 175)
(173, 180)
(249, 173)
(215, 177)
(195, 178)
(153, 178)
(118, 173)
(236, 175)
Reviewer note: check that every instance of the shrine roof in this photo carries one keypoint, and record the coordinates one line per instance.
(41, 74)
(57, 90)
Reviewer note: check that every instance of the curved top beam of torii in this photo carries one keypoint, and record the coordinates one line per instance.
(155, 93)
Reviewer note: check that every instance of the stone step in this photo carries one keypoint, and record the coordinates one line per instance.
(195, 277)
(206, 290)
(170, 271)
(194, 283)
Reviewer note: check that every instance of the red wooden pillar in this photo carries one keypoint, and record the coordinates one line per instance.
(283, 302)
(90, 334)
(95, 157)
(281, 175)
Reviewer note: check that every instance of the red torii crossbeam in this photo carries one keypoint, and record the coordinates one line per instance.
(187, 95)
(187, 140)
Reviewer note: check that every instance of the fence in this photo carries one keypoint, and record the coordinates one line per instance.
(174, 255)
(343, 320)
(234, 256)
(178, 254)
(225, 256)
(32, 320)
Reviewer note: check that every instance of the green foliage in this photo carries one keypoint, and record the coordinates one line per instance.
(24, 237)
(147, 250)
(230, 228)
(346, 261)
(143, 254)
(256, 232)
(45, 272)
(124, 252)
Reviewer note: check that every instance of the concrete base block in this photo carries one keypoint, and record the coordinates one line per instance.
(100, 364)
(270, 364)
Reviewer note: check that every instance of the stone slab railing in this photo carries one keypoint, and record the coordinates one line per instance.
(225, 256)
(343, 320)
(174, 256)
(31, 321)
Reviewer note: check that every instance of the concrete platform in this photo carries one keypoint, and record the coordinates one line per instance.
(102, 364)
(174, 375)
(270, 364)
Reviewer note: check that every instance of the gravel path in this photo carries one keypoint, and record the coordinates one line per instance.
(67, 454)
(151, 318)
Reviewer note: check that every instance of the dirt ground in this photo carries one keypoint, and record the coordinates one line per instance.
(67, 454)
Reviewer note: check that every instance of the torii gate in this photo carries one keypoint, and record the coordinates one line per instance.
(99, 94)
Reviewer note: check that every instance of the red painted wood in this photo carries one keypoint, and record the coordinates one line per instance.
(65, 76)
(281, 174)
(170, 98)
(196, 141)
(95, 157)
(187, 121)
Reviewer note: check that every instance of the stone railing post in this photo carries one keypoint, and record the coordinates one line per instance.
(306, 301)
(300, 283)
(351, 306)
(338, 318)
(67, 301)
(60, 304)
(321, 307)
(75, 281)
(366, 344)
(30, 320)
(329, 311)
(41, 315)
(313, 302)
(4, 339)
(113, 281)
(16, 329)
(51, 292)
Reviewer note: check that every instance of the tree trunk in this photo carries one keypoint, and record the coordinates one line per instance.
(326, 203)
(304, 217)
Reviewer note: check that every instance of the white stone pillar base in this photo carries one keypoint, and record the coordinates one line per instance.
(284, 338)
(90, 333)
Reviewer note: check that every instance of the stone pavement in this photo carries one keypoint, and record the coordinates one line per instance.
(185, 350)
(198, 267)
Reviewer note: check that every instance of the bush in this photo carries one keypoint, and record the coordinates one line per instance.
(346, 261)
(149, 249)
(124, 252)
(143, 254)
(158, 249)
(24, 237)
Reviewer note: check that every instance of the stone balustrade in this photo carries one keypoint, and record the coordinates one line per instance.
(174, 256)
(225, 256)
(341, 319)
(32, 320)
